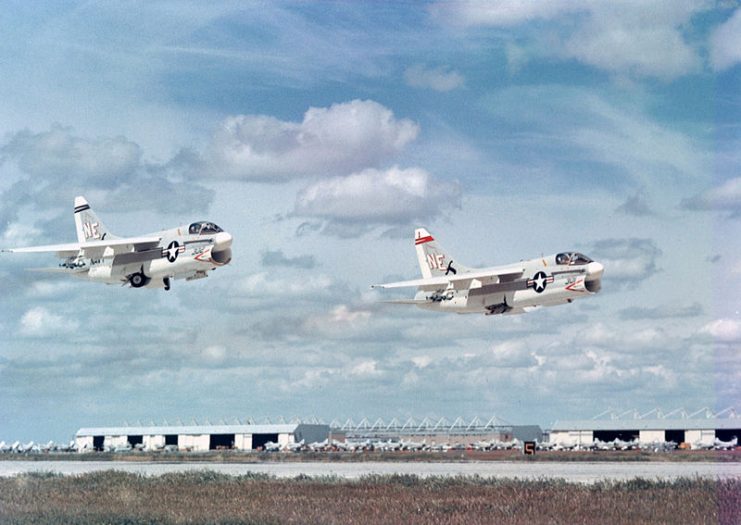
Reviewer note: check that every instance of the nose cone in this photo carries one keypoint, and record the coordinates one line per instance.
(595, 270)
(221, 252)
(222, 241)
(593, 280)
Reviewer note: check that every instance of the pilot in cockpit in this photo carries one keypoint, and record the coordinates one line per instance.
(203, 228)
(572, 259)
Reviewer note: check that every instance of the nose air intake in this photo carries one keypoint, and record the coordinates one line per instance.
(222, 256)
(593, 281)
(221, 253)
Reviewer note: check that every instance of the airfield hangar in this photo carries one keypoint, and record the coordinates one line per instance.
(198, 438)
(696, 432)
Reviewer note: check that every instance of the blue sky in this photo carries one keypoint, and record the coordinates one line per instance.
(320, 134)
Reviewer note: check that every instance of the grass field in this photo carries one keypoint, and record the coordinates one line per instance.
(206, 497)
(234, 456)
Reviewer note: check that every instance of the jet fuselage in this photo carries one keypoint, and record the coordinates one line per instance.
(544, 282)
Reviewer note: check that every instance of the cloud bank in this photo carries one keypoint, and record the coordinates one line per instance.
(374, 197)
(336, 140)
(622, 37)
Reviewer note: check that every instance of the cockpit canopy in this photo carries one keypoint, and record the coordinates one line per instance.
(572, 259)
(203, 228)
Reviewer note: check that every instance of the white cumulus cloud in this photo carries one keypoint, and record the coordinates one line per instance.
(111, 172)
(501, 13)
(365, 369)
(58, 152)
(622, 36)
(724, 330)
(627, 261)
(335, 140)
(438, 79)
(633, 37)
(726, 197)
(39, 322)
(725, 43)
(389, 196)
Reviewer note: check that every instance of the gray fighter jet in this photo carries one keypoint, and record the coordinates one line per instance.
(153, 260)
(448, 286)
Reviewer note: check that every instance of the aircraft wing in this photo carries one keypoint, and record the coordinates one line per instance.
(407, 301)
(463, 280)
(94, 249)
(59, 270)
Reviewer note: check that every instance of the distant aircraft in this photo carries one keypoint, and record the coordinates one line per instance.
(271, 446)
(726, 445)
(448, 286)
(295, 447)
(151, 260)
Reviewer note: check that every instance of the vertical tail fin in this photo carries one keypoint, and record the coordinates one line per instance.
(433, 261)
(89, 227)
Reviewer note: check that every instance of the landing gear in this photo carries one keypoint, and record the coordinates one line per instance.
(166, 280)
(501, 308)
(138, 280)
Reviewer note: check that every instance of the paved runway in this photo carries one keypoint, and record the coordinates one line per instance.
(582, 472)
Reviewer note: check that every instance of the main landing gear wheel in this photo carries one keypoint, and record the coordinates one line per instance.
(138, 280)
(166, 280)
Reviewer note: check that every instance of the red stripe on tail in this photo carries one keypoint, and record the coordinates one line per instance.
(423, 240)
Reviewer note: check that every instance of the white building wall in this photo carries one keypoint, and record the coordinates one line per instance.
(84, 443)
(285, 439)
(243, 441)
(700, 438)
(196, 443)
(154, 442)
(571, 438)
(652, 436)
(558, 436)
(115, 441)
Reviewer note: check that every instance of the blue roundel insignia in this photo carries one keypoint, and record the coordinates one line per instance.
(539, 281)
(172, 251)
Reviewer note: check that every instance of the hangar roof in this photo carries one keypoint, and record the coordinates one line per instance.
(193, 430)
(648, 424)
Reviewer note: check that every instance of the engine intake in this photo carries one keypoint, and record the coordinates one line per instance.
(222, 256)
(593, 286)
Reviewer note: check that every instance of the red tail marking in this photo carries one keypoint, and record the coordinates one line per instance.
(423, 240)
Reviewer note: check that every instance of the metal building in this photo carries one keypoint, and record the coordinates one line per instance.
(435, 430)
(198, 438)
(697, 432)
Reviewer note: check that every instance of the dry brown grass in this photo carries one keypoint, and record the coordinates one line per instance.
(207, 497)
(235, 456)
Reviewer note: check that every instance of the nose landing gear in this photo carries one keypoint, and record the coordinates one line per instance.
(166, 280)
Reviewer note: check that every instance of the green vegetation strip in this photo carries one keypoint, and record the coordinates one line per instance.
(114, 497)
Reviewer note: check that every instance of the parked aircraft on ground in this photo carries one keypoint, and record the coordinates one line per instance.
(271, 446)
(151, 260)
(448, 286)
(726, 445)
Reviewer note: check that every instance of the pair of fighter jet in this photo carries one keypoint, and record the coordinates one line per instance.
(190, 252)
